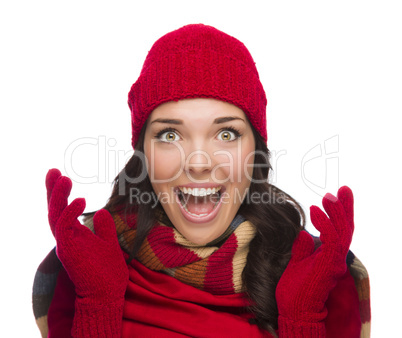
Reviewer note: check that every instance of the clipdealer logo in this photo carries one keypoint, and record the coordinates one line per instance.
(319, 165)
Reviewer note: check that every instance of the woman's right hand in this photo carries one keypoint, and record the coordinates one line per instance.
(87, 257)
(93, 261)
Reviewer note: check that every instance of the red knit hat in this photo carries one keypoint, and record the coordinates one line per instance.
(198, 61)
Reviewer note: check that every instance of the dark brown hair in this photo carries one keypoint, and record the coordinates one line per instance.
(278, 220)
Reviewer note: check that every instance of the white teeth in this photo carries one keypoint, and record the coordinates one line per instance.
(199, 191)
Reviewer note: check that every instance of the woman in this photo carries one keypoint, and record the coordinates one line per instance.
(205, 246)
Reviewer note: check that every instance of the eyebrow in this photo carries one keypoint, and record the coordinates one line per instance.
(216, 121)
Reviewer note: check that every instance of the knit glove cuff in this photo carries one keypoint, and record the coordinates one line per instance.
(290, 328)
(92, 320)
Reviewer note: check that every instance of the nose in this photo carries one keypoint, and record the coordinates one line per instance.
(198, 162)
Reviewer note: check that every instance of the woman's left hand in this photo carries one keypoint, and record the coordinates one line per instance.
(311, 274)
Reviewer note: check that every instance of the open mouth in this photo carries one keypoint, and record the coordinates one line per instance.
(199, 204)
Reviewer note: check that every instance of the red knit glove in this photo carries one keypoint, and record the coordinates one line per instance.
(96, 266)
(311, 275)
(58, 189)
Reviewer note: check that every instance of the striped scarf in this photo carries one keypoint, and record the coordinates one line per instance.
(216, 267)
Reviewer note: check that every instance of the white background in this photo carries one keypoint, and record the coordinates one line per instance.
(331, 70)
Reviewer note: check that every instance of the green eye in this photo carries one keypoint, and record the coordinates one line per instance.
(227, 135)
(169, 136)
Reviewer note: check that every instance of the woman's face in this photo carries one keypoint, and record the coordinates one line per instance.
(200, 155)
